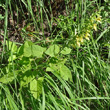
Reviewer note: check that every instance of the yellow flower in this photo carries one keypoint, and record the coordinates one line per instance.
(95, 27)
(77, 41)
(98, 19)
(81, 39)
(78, 44)
(87, 36)
(76, 31)
(77, 38)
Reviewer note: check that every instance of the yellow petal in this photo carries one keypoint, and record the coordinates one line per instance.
(87, 38)
(78, 44)
(98, 19)
(87, 34)
(95, 27)
(77, 38)
(81, 39)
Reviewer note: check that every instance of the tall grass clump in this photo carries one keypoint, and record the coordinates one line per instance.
(54, 55)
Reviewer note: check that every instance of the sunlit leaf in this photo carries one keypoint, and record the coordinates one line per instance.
(36, 87)
(66, 51)
(37, 51)
(13, 57)
(9, 77)
(33, 50)
(65, 73)
(11, 46)
(27, 49)
(60, 69)
(53, 50)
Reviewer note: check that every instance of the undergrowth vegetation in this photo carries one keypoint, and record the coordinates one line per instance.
(55, 55)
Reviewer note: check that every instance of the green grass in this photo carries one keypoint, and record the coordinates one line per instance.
(65, 69)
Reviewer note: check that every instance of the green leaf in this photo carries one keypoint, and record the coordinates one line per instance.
(53, 68)
(53, 50)
(24, 61)
(33, 50)
(66, 51)
(27, 49)
(27, 77)
(36, 87)
(11, 46)
(1, 17)
(61, 69)
(49, 69)
(65, 73)
(13, 57)
(37, 51)
(9, 77)
(20, 50)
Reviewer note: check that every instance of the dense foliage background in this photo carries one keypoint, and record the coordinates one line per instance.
(54, 54)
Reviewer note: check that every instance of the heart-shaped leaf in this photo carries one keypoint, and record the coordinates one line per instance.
(36, 87)
(53, 50)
